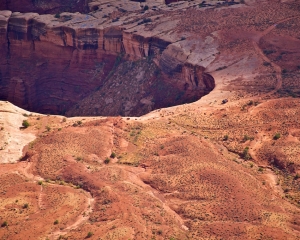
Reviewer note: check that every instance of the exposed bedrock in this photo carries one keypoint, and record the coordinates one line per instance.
(58, 65)
(44, 6)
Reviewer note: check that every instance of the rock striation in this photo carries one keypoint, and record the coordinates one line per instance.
(49, 63)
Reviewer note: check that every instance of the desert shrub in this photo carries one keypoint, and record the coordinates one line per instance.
(225, 138)
(90, 234)
(25, 124)
(57, 15)
(106, 161)
(25, 205)
(112, 155)
(276, 136)
(48, 128)
(40, 182)
(4, 224)
(246, 154)
(146, 8)
(55, 222)
(260, 169)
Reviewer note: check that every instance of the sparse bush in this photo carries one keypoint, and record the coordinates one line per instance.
(4, 224)
(225, 138)
(146, 8)
(276, 136)
(159, 232)
(260, 169)
(112, 155)
(48, 128)
(64, 119)
(90, 234)
(297, 176)
(25, 124)
(55, 222)
(40, 182)
(246, 138)
(246, 154)
(57, 15)
(25, 205)
(106, 161)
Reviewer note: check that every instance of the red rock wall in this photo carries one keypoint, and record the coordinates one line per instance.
(44, 6)
(49, 68)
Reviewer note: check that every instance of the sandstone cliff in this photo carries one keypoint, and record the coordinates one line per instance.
(50, 63)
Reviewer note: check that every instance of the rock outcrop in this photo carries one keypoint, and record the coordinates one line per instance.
(50, 63)
(44, 6)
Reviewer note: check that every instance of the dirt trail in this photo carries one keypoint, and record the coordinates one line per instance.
(277, 69)
(133, 178)
(83, 217)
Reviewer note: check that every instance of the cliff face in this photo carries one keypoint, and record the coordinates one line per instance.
(44, 6)
(50, 64)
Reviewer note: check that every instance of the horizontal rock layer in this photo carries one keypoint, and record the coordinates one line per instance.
(50, 63)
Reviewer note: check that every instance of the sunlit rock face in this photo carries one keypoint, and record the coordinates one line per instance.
(51, 63)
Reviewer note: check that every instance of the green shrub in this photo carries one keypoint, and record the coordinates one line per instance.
(246, 154)
(90, 234)
(4, 224)
(25, 124)
(276, 136)
(106, 161)
(40, 182)
(25, 205)
(48, 128)
(225, 138)
(55, 222)
(57, 15)
(112, 155)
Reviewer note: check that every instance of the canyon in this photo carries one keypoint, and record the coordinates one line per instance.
(49, 64)
(149, 119)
